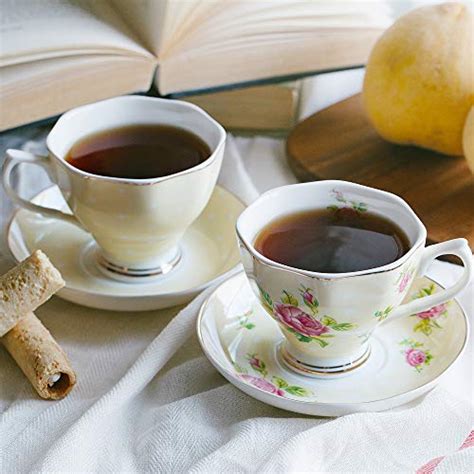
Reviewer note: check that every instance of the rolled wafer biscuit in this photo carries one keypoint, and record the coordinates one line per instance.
(40, 358)
(25, 287)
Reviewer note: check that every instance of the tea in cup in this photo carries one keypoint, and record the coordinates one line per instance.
(330, 261)
(135, 172)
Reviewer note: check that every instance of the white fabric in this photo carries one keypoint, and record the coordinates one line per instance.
(148, 400)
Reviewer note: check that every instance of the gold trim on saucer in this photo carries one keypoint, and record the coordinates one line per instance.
(321, 371)
(138, 272)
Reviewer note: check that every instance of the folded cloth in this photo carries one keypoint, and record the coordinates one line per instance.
(149, 400)
(176, 414)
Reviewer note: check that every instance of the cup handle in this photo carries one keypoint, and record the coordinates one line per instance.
(458, 247)
(12, 160)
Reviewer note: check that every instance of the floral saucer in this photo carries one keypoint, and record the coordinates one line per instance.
(408, 355)
(209, 254)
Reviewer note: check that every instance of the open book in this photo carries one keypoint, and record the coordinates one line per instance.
(57, 54)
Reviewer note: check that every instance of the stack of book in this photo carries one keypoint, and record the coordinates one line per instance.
(58, 54)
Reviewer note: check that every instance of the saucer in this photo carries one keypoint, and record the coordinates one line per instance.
(408, 355)
(209, 254)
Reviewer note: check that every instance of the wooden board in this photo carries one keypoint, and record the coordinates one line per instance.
(339, 143)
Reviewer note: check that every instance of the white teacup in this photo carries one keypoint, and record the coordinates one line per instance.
(137, 223)
(327, 319)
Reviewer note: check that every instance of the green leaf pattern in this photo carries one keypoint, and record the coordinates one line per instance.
(279, 382)
(288, 298)
(383, 314)
(426, 291)
(346, 203)
(266, 300)
(328, 321)
(244, 321)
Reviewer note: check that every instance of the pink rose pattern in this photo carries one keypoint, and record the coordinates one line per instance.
(432, 313)
(415, 357)
(257, 364)
(262, 384)
(305, 326)
(308, 298)
(428, 320)
(276, 386)
(295, 318)
(404, 279)
(415, 354)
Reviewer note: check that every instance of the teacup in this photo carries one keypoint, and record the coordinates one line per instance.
(328, 319)
(137, 223)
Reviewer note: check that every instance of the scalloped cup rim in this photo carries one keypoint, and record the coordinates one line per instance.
(71, 114)
(420, 240)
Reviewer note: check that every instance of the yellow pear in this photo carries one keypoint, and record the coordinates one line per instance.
(419, 82)
(468, 139)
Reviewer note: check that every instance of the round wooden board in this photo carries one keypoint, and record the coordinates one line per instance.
(339, 143)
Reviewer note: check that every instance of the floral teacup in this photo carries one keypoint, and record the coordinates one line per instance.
(327, 318)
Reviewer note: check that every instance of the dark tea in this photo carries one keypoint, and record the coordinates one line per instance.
(332, 241)
(139, 152)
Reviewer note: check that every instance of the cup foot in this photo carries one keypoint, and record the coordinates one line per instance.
(318, 371)
(135, 275)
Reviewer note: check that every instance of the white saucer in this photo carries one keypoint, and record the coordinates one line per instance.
(241, 341)
(209, 253)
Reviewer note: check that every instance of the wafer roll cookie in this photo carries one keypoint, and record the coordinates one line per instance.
(25, 287)
(40, 358)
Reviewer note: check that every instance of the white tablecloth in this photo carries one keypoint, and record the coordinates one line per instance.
(148, 400)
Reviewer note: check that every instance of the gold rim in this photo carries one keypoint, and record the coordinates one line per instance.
(327, 372)
(137, 273)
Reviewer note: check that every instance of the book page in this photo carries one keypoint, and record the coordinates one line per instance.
(41, 29)
(146, 18)
(226, 25)
(160, 23)
(184, 16)
(243, 41)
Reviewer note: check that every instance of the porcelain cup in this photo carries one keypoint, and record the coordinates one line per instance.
(328, 318)
(137, 223)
